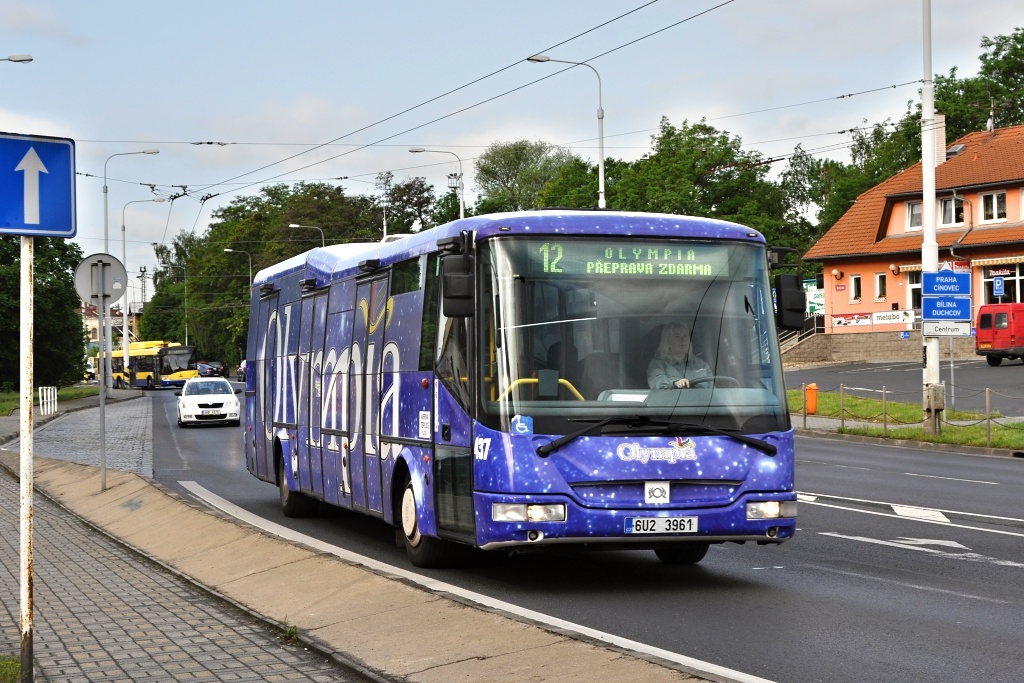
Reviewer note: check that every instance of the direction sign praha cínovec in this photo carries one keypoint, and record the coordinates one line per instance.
(37, 186)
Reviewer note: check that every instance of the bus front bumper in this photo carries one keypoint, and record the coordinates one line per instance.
(500, 524)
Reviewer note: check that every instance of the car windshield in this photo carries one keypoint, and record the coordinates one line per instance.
(205, 388)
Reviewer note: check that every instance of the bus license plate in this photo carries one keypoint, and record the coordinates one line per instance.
(661, 525)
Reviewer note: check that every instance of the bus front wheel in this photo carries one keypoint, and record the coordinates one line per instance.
(423, 551)
(691, 553)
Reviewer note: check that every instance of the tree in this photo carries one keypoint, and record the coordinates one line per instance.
(59, 335)
(510, 175)
(697, 170)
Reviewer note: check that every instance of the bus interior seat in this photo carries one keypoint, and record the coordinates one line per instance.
(638, 362)
(600, 371)
(567, 364)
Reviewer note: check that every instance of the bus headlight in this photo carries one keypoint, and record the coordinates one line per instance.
(518, 512)
(771, 509)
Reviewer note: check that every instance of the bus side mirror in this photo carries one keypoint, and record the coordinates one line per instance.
(457, 285)
(790, 302)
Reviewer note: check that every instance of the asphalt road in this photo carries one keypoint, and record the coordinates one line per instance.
(866, 591)
(966, 382)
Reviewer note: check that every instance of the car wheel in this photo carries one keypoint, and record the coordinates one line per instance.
(994, 360)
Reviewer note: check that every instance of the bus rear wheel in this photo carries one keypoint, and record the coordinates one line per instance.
(691, 553)
(423, 551)
(293, 503)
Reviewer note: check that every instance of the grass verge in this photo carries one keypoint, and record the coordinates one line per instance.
(10, 669)
(904, 422)
(11, 400)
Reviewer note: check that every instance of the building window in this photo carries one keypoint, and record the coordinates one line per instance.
(993, 207)
(879, 286)
(914, 283)
(913, 215)
(855, 288)
(952, 212)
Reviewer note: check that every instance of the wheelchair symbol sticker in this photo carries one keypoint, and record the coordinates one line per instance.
(522, 425)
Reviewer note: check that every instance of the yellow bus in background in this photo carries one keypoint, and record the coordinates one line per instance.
(151, 364)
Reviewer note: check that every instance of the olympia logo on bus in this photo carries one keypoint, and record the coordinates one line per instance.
(344, 378)
(680, 450)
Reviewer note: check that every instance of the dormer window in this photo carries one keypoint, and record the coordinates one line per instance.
(952, 212)
(993, 207)
(913, 215)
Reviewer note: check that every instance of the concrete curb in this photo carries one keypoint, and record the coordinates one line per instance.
(365, 620)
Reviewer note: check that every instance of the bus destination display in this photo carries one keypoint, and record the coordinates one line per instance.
(621, 259)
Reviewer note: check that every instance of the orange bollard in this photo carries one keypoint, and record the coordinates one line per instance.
(811, 398)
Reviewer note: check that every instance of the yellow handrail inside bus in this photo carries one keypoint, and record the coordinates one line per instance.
(533, 380)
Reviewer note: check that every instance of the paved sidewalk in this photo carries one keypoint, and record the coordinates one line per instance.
(104, 612)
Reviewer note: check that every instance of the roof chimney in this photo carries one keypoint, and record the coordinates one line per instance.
(940, 138)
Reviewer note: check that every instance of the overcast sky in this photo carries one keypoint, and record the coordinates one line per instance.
(275, 80)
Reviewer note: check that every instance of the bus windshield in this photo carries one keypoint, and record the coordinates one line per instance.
(579, 329)
(176, 359)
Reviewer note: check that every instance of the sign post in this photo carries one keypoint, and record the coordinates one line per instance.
(37, 198)
(96, 277)
(945, 312)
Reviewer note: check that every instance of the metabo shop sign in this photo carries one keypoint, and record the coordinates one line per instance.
(946, 303)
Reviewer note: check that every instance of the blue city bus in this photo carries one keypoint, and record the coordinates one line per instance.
(485, 383)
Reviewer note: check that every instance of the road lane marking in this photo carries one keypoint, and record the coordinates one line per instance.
(916, 586)
(916, 519)
(813, 498)
(688, 663)
(919, 513)
(969, 481)
(969, 557)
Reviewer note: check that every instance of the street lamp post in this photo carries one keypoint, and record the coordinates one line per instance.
(462, 203)
(313, 227)
(124, 308)
(239, 251)
(600, 122)
(107, 337)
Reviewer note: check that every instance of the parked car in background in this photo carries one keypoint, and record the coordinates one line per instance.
(999, 332)
(207, 400)
(205, 370)
(241, 371)
(218, 369)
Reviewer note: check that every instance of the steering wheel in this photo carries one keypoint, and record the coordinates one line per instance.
(717, 380)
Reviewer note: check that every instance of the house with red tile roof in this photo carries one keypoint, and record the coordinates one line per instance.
(872, 255)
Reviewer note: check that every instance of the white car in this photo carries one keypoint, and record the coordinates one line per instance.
(205, 400)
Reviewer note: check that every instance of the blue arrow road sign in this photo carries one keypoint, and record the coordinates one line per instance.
(37, 186)
(945, 308)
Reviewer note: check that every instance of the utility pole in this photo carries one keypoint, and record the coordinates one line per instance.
(933, 397)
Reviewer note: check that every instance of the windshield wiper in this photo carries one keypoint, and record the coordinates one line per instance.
(679, 428)
(549, 448)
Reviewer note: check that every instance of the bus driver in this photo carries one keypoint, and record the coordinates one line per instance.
(674, 365)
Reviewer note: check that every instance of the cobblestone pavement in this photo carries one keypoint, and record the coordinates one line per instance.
(75, 436)
(103, 612)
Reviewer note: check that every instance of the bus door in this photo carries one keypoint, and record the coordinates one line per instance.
(266, 375)
(304, 380)
(311, 347)
(372, 315)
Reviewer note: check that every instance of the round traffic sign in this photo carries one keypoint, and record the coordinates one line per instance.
(101, 276)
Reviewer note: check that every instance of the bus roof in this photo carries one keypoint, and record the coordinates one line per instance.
(326, 264)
